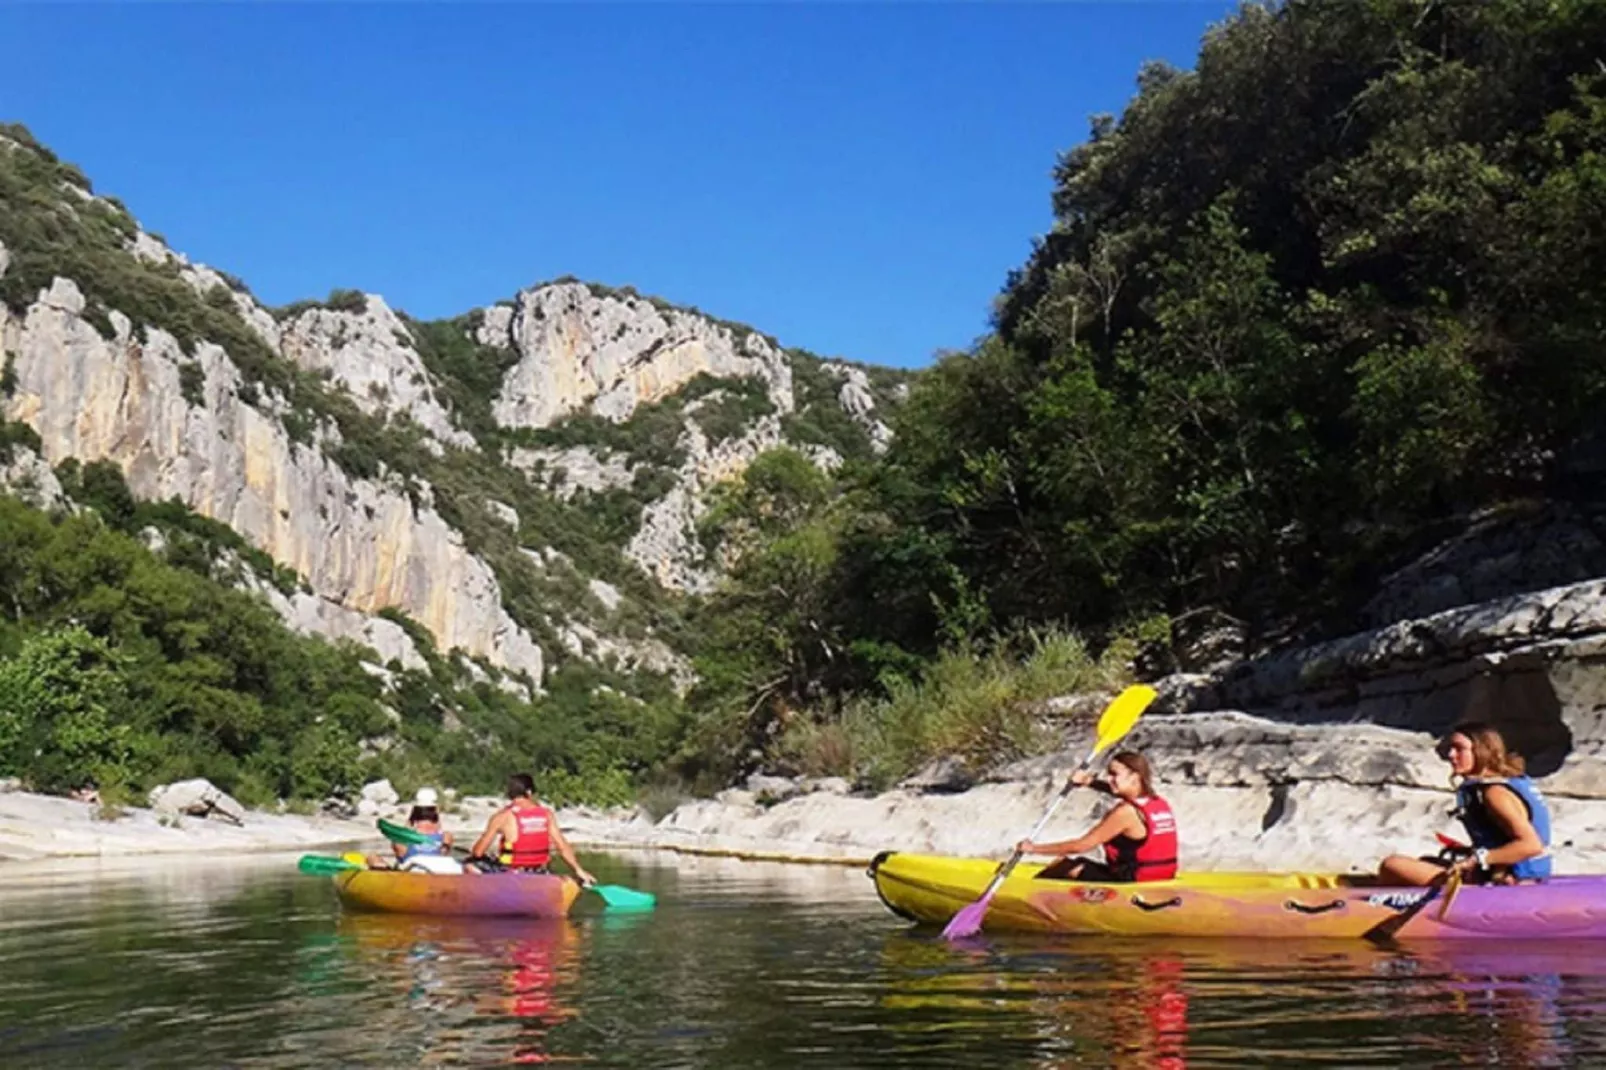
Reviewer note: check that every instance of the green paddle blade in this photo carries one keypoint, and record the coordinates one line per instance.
(622, 898)
(325, 865)
(402, 834)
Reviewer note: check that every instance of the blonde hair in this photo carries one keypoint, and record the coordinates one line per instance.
(1489, 750)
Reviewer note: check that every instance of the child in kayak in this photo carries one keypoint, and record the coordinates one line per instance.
(434, 856)
(525, 834)
(1138, 834)
(1505, 816)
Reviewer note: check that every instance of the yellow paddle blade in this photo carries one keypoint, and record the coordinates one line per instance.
(1120, 715)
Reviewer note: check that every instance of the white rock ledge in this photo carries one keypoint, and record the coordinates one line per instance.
(1250, 794)
(45, 826)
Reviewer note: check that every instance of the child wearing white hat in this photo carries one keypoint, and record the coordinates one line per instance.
(435, 855)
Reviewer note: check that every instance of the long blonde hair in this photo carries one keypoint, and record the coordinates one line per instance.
(1488, 750)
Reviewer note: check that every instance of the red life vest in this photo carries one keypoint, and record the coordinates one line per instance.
(1153, 858)
(533, 847)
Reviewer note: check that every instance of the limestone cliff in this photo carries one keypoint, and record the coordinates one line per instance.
(583, 349)
(368, 352)
(611, 354)
(357, 542)
(587, 349)
(365, 450)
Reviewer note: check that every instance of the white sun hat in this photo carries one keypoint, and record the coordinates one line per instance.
(426, 797)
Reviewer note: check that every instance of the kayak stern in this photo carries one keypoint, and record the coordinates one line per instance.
(526, 895)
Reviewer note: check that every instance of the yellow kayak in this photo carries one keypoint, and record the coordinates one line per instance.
(931, 889)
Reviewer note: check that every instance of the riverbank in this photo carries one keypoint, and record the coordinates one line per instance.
(1272, 797)
(46, 826)
(1320, 757)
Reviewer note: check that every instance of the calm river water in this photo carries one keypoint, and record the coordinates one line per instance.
(246, 963)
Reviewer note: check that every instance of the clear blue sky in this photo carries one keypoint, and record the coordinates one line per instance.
(856, 180)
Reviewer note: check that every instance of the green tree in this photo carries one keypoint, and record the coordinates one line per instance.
(63, 711)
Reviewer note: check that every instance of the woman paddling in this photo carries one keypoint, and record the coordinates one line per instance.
(1139, 834)
(1505, 817)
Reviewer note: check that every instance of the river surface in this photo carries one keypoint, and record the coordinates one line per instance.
(231, 962)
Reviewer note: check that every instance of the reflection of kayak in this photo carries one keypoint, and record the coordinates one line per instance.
(930, 889)
(529, 895)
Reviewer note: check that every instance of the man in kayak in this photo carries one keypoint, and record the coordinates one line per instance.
(1138, 834)
(1505, 816)
(525, 833)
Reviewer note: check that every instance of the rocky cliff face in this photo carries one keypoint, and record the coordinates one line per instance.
(368, 352)
(184, 416)
(587, 350)
(613, 353)
(356, 542)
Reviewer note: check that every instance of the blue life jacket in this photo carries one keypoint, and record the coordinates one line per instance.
(435, 846)
(1484, 832)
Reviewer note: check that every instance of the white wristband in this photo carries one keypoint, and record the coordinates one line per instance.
(1482, 855)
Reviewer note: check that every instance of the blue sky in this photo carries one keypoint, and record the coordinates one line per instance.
(856, 180)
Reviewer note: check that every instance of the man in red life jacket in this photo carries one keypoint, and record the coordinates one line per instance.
(527, 833)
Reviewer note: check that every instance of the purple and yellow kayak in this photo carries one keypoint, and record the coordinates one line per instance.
(932, 889)
(485, 895)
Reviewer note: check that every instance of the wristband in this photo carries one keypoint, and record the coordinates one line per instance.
(1482, 855)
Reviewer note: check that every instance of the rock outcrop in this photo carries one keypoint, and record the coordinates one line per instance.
(563, 472)
(1534, 664)
(610, 354)
(858, 401)
(196, 798)
(369, 353)
(357, 542)
(26, 476)
(666, 545)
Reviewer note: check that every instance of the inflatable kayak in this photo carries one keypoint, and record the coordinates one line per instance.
(929, 889)
(489, 895)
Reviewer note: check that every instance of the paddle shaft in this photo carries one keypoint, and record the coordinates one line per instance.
(1015, 856)
(1389, 928)
(1452, 888)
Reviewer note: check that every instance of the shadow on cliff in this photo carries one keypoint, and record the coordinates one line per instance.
(1522, 705)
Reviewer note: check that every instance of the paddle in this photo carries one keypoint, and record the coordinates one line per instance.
(326, 865)
(615, 895)
(1448, 882)
(1452, 888)
(1117, 720)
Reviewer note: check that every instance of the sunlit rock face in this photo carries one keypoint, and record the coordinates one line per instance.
(356, 542)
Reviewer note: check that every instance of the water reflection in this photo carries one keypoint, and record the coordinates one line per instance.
(236, 965)
(485, 991)
(1206, 1003)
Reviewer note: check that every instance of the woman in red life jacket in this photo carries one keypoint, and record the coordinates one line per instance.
(526, 833)
(1139, 834)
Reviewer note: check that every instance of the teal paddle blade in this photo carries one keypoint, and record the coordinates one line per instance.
(409, 837)
(622, 898)
(325, 865)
